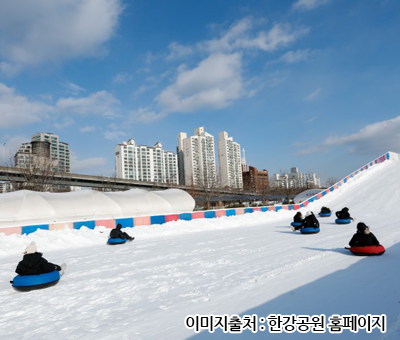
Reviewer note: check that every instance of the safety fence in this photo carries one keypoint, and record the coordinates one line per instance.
(161, 219)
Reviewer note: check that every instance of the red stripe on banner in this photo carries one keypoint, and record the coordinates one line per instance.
(220, 213)
(11, 230)
(285, 207)
(60, 226)
(319, 196)
(170, 218)
(105, 223)
(271, 209)
(239, 211)
(197, 214)
(257, 209)
(296, 206)
(144, 220)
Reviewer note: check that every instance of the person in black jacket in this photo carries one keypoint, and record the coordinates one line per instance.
(344, 214)
(118, 233)
(310, 221)
(298, 218)
(34, 264)
(325, 210)
(363, 237)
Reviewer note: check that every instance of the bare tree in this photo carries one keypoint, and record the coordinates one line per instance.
(289, 192)
(37, 174)
(208, 187)
(331, 181)
(171, 182)
(263, 189)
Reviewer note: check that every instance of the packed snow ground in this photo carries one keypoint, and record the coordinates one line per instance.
(242, 265)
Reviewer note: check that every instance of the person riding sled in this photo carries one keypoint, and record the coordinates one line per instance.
(325, 210)
(310, 221)
(344, 214)
(363, 237)
(33, 263)
(118, 233)
(298, 218)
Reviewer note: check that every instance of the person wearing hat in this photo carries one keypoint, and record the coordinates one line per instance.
(34, 264)
(118, 233)
(363, 237)
(344, 214)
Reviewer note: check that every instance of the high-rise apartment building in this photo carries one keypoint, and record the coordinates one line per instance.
(197, 158)
(144, 163)
(230, 162)
(46, 146)
(296, 179)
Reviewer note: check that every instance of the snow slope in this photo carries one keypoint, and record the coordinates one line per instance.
(246, 264)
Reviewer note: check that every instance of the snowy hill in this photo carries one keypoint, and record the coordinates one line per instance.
(248, 264)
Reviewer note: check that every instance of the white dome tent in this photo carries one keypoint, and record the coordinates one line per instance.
(31, 208)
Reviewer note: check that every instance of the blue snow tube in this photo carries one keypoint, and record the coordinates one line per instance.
(343, 221)
(30, 282)
(325, 214)
(309, 230)
(114, 241)
(296, 224)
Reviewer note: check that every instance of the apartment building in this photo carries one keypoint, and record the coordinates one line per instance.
(296, 179)
(144, 163)
(230, 162)
(197, 159)
(45, 145)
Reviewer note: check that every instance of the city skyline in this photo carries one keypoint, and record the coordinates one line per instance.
(305, 83)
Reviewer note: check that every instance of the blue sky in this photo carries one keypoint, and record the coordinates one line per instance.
(307, 83)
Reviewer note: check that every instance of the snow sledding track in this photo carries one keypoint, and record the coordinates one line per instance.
(246, 264)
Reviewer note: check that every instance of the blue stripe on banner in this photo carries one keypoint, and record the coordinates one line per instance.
(231, 212)
(301, 205)
(87, 224)
(185, 216)
(278, 208)
(32, 228)
(387, 155)
(209, 214)
(291, 207)
(248, 210)
(324, 193)
(125, 222)
(264, 209)
(160, 219)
